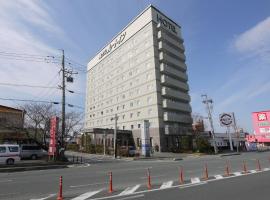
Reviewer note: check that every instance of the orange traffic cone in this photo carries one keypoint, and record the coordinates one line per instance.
(60, 195)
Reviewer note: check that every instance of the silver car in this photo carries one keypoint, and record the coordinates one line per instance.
(31, 151)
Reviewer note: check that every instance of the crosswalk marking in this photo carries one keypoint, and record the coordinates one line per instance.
(166, 185)
(237, 173)
(129, 190)
(252, 171)
(218, 177)
(86, 195)
(195, 180)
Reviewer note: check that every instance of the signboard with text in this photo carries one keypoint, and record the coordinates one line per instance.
(261, 125)
(53, 134)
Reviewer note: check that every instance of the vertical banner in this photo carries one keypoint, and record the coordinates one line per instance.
(145, 136)
(53, 133)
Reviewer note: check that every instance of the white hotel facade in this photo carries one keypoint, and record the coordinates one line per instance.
(141, 75)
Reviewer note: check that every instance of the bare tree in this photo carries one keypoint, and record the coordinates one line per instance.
(198, 122)
(38, 117)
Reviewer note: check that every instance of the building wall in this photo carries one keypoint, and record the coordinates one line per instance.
(11, 118)
(140, 75)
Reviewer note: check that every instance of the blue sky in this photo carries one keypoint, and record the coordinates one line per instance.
(227, 47)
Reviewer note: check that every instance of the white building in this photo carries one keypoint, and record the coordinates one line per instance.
(141, 75)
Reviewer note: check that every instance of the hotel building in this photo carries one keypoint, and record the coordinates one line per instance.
(141, 75)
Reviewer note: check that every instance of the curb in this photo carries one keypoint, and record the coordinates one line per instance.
(230, 154)
(19, 169)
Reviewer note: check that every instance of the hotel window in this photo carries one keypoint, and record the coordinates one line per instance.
(139, 125)
(123, 127)
(149, 100)
(131, 115)
(138, 114)
(131, 104)
(150, 111)
(123, 116)
(131, 127)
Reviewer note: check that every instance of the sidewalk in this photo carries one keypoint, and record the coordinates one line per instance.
(27, 165)
(155, 156)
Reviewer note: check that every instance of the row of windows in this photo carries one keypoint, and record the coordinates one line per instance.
(100, 101)
(123, 72)
(134, 103)
(122, 117)
(119, 85)
(133, 42)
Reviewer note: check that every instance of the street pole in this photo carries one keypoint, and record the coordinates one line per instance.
(104, 142)
(230, 138)
(63, 99)
(236, 133)
(115, 136)
(207, 101)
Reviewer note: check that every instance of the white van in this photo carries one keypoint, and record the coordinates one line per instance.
(9, 154)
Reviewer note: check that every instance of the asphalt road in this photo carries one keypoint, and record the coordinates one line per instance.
(79, 180)
(250, 187)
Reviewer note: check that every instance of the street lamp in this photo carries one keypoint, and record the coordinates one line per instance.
(208, 103)
(115, 133)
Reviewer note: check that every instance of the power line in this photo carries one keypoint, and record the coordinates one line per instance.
(40, 101)
(29, 100)
(26, 85)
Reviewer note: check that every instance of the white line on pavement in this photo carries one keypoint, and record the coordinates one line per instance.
(237, 173)
(129, 190)
(3, 181)
(51, 195)
(266, 169)
(195, 180)
(252, 171)
(218, 177)
(86, 195)
(166, 185)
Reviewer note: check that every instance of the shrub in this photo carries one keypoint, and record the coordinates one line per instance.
(73, 147)
(203, 145)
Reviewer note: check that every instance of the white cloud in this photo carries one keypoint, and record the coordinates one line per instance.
(255, 41)
(19, 23)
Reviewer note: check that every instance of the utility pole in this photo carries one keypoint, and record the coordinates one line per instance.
(66, 74)
(207, 101)
(63, 99)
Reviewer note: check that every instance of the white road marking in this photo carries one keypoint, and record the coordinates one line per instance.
(51, 195)
(195, 180)
(86, 195)
(3, 181)
(218, 177)
(237, 173)
(158, 189)
(252, 171)
(266, 169)
(129, 190)
(76, 186)
(166, 185)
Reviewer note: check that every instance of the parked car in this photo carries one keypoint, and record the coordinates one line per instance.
(31, 151)
(131, 151)
(9, 154)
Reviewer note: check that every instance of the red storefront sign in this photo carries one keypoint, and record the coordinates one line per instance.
(261, 125)
(53, 133)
